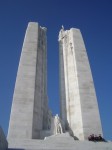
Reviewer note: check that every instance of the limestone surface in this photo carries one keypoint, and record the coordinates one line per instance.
(79, 107)
(29, 112)
(30, 116)
(59, 142)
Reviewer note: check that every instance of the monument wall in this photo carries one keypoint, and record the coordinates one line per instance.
(79, 108)
(30, 107)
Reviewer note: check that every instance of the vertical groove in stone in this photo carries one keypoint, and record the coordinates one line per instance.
(62, 85)
(40, 102)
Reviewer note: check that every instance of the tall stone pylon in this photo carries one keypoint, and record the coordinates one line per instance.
(79, 108)
(30, 107)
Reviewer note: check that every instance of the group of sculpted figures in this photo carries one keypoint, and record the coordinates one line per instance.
(96, 138)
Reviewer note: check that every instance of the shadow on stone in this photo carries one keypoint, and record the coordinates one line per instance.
(75, 138)
(72, 134)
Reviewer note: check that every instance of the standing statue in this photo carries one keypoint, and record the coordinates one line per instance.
(58, 126)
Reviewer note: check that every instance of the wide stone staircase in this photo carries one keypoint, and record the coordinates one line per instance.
(58, 142)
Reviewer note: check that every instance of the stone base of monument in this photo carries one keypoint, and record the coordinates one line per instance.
(58, 142)
(3, 141)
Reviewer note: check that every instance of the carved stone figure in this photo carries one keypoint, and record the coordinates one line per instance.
(61, 33)
(58, 126)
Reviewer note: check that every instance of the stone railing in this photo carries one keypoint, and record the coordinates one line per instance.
(3, 141)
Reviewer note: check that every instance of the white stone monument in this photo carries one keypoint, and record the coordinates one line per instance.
(29, 112)
(79, 108)
(31, 120)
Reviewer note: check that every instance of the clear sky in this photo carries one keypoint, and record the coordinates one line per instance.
(92, 17)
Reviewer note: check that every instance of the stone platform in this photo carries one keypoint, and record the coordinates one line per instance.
(59, 142)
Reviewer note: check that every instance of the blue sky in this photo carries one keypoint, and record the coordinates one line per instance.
(92, 17)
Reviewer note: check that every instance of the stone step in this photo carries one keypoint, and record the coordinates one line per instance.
(58, 142)
(76, 145)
